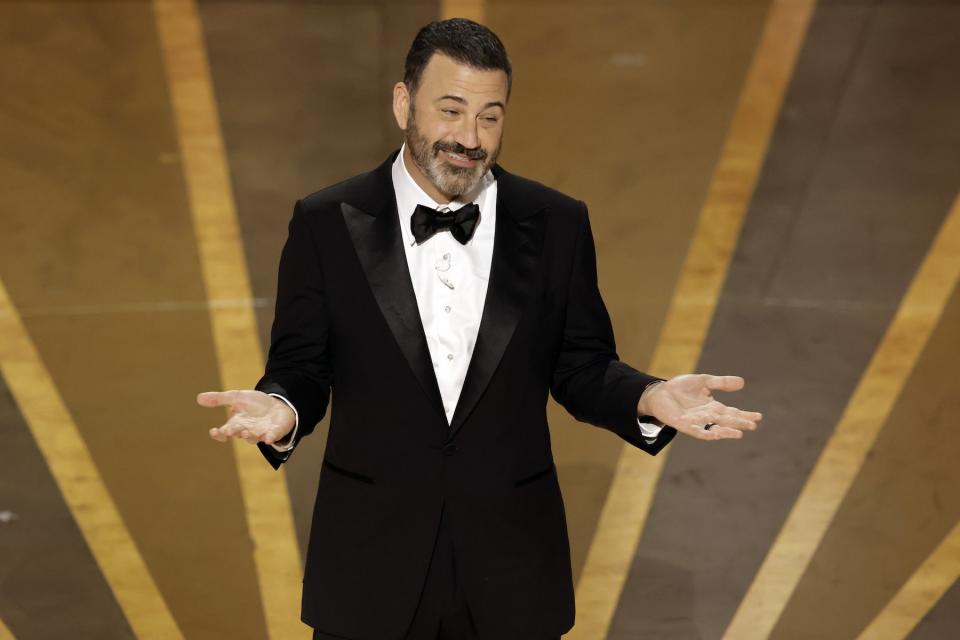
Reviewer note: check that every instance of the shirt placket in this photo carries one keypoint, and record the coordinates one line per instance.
(447, 274)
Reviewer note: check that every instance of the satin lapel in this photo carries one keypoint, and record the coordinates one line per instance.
(516, 250)
(379, 246)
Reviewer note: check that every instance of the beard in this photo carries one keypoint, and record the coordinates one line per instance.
(450, 180)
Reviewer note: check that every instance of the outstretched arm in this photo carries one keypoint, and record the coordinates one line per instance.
(592, 383)
(589, 380)
(298, 372)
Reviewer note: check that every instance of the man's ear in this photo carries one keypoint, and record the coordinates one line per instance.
(401, 105)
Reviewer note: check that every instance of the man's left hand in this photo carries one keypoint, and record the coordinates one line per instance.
(686, 403)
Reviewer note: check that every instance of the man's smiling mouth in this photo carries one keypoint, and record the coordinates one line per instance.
(461, 160)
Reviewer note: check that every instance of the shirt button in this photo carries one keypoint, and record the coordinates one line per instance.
(447, 308)
(449, 356)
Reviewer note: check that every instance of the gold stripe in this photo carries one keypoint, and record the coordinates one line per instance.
(691, 309)
(920, 593)
(472, 9)
(220, 245)
(5, 633)
(76, 474)
(865, 414)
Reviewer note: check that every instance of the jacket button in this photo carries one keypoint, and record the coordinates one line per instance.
(449, 449)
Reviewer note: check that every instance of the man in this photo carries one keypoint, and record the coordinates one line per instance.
(442, 298)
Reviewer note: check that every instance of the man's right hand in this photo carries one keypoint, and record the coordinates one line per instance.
(254, 416)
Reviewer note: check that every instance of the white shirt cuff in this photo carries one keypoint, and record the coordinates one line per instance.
(648, 429)
(293, 434)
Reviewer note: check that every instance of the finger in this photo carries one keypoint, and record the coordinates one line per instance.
(704, 433)
(707, 425)
(723, 433)
(753, 416)
(224, 434)
(708, 431)
(235, 426)
(723, 383)
(697, 419)
(735, 422)
(734, 418)
(270, 436)
(695, 428)
(750, 416)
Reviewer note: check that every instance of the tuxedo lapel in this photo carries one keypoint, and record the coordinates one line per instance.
(379, 246)
(374, 227)
(516, 250)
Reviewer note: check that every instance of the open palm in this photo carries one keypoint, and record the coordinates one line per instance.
(254, 416)
(686, 403)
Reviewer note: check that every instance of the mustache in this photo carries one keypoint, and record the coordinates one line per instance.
(459, 149)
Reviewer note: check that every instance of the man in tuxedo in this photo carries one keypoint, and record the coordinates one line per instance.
(441, 298)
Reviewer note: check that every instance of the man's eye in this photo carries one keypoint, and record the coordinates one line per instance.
(450, 111)
(491, 119)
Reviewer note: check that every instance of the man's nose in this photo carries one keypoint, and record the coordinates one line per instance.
(467, 134)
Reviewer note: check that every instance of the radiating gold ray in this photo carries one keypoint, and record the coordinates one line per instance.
(472, 9)
(843, 455)
(5, 633)
(920, 593)
(78, 479)
(220, 245)
(692, 306)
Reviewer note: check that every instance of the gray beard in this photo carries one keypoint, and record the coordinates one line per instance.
(449, 180)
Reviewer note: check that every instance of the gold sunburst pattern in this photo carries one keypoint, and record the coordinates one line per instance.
(773, 193)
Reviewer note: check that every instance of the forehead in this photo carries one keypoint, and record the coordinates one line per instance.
(445, 76)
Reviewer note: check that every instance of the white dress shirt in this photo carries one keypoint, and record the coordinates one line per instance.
(450, 281)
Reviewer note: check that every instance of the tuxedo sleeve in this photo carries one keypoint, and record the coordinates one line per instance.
(298, 364)
(589, 379)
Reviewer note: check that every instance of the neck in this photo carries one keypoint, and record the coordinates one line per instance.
(421, 179)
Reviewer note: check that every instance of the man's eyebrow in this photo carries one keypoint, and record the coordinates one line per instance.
(495, 103)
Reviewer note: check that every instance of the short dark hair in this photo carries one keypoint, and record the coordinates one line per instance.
(463, 40)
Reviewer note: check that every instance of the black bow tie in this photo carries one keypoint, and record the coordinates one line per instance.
(462, 223)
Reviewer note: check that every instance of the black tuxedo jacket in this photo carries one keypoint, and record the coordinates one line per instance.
(347, 320)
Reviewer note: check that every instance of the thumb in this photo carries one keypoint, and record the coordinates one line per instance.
(216, 398)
